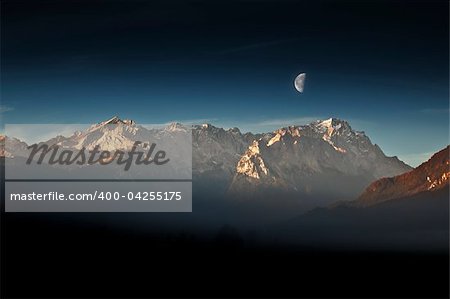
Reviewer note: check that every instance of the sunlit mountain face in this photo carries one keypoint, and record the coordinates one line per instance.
(432, 175)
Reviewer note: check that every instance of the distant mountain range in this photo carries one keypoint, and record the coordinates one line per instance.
(325, 158)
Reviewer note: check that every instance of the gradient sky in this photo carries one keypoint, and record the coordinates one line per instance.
(381, 65)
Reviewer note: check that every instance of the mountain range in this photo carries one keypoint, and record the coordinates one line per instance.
(325, 159)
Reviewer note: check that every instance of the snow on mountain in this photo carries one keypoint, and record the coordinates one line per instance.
(175, 127)
(326, 157)
(251, 163)
(11, 147)
(112, 134)
(215, 153)
(3, 152)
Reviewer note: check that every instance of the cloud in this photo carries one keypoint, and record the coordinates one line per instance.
(5, 109)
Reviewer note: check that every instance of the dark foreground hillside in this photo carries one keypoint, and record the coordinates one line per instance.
(139, 255)
(60, 255)
(49, 256)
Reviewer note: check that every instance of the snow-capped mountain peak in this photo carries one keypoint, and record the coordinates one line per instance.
(299, 157)
(332, 125)
(326, 123)
(295, 158)
(175, 126)
(116, 120)
(112, 134)
(337, 133)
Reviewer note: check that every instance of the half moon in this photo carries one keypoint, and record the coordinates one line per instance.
(299, 82)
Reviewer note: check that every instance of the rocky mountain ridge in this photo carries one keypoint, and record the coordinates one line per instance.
(430, 176)
(325, 157)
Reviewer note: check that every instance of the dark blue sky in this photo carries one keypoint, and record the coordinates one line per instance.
(381, 65)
